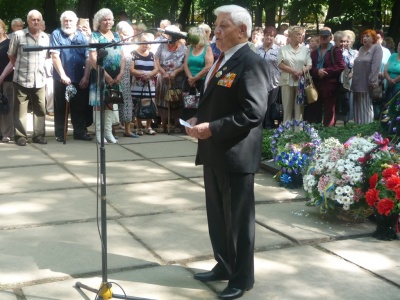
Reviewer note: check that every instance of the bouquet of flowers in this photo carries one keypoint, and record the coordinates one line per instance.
(293, 144)
(383, 191)
(335, 177)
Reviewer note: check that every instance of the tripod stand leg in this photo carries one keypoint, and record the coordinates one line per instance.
(104, 292)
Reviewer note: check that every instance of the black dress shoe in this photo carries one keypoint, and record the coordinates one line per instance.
(39, 140)
(231, 293)
(211, 276)
(21, 141)
(84, 137)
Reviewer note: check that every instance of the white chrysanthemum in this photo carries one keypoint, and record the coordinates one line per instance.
(357, 177)
(346, 206)
(347, 189)
(340, 169)
(346, 200)
(339, 190)
(340, 162)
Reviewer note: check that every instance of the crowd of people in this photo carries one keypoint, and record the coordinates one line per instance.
(239, 73)
(42, 78)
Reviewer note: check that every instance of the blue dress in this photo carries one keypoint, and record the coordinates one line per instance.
(111, 64)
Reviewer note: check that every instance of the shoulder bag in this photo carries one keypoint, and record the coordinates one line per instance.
(309, 88)
(376, 93)
(146, 108)
(4, 108)
(113, 95)
(191, 98)
(276, 108)
(174, 94)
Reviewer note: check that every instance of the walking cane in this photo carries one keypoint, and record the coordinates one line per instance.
(66, 121)
(70, 92)
(169, 116)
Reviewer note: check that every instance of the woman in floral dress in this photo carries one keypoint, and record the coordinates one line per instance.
(126, 109)
(113, 63)
(169, 60)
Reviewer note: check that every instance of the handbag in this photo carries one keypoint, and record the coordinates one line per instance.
(4, 108)
(146, 108)
(311, 91)
(342, 106)
(113, 96)
(276, 108)
(173, 94)
(376, 93)
(191, 98)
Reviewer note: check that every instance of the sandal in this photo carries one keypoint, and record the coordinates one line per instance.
(150, 131)
(140, 132)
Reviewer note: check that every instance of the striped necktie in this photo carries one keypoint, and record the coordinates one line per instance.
(220, 59)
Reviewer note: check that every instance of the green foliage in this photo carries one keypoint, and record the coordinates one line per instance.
(266, 145)
(343, 133)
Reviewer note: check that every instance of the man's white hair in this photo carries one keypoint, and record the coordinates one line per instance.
(70, 14)
(239, 15)
(33, 11)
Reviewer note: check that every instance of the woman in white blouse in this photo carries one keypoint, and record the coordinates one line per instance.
(292, 59)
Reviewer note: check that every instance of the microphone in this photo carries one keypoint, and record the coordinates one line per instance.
(191, 38)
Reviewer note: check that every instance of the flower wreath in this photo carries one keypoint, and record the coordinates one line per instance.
(292, 158)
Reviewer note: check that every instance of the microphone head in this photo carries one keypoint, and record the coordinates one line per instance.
(193, 39)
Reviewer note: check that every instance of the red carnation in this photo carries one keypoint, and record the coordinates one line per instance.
(371, 196)
(392, 182)
(397, 191)
(389, 172)
(373, 180)
(385, 206)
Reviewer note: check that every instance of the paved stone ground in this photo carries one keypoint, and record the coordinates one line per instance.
(157, 231)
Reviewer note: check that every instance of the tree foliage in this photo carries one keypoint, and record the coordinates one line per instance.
(341, 14)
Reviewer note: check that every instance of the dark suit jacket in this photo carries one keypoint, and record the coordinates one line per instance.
(235, 114)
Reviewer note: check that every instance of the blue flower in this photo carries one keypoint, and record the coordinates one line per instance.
(285, 178)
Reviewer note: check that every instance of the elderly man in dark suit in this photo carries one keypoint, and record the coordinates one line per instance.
(229, 128)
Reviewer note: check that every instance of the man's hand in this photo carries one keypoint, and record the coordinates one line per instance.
(84, 83)
(322, 73)
(65, 80)
(192, 122)
(201, 131)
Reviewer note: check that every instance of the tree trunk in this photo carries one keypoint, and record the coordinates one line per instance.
(336, 9)
(183, 16)
(50, 11)
(394, 28)
(87, 8)
(258, 13)
(377, 14)
(270, 13)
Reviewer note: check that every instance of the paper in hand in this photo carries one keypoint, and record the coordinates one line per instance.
(184, 123)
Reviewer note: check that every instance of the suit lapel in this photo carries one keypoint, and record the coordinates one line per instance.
(226, 68)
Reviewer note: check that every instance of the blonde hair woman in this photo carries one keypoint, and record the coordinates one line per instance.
(292, 58)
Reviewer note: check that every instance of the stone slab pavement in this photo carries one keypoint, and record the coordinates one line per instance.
(157, 231)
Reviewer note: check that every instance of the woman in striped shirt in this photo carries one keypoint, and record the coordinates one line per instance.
(144, 70)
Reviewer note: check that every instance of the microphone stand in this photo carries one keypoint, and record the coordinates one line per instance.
(105, 290)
